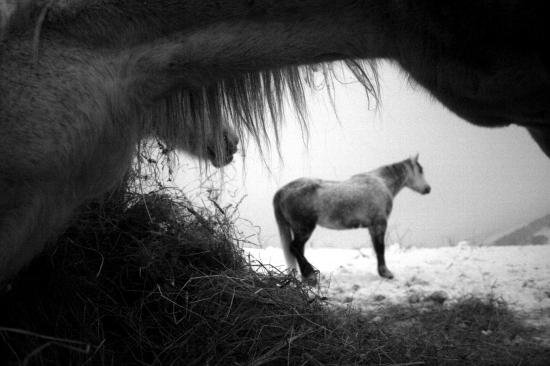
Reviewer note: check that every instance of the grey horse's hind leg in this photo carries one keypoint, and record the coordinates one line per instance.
(297, 248)
(377, 233)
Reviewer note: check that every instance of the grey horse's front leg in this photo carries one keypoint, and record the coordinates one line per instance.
(378, 233)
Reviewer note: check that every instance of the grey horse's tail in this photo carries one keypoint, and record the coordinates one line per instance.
(285, 232)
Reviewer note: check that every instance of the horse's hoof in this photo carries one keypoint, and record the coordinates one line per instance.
(385, 273)
(312, 279)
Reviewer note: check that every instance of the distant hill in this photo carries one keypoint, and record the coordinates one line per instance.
(536, 232)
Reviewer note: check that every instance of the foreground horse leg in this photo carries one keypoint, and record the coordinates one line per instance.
(378, 233)
(297, 249)
(28, 216)
(16, 225)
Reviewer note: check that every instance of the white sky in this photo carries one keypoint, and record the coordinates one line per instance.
(484, 181)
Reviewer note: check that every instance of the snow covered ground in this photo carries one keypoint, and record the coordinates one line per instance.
(518, 274)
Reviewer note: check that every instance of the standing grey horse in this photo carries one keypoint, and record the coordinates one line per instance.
(363, 201)
(81, 81)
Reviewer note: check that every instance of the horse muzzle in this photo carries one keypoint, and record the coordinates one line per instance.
(220, 159)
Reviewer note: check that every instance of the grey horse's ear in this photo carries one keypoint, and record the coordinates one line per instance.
(415, 157)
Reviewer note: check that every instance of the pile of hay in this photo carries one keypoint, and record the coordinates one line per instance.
(152, 280)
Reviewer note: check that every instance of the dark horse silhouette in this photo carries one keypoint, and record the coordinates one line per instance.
(82, 81)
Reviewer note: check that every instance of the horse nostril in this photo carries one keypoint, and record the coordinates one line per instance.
(427, 190)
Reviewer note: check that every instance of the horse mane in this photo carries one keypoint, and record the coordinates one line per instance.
(394, 174)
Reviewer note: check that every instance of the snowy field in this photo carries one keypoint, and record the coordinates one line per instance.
(518, 274)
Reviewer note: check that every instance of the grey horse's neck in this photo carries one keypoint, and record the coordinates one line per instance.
(395, 176)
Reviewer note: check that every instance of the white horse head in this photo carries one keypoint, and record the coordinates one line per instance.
(415, 179)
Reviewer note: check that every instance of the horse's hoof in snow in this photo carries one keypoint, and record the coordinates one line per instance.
(311, 279)
(386, 273)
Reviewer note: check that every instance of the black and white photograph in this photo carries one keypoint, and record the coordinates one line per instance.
(274, 182)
